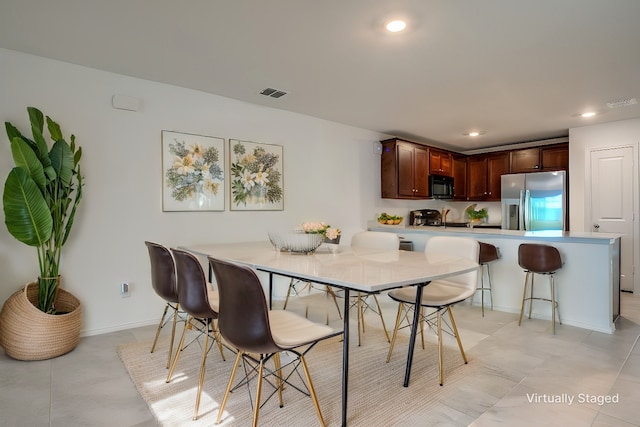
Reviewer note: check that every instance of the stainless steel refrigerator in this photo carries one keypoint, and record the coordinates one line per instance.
(534, 201)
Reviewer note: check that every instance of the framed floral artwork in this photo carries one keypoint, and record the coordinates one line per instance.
(192, 172)
(256, 179)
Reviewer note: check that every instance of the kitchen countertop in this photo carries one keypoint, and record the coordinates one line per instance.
(547, 235)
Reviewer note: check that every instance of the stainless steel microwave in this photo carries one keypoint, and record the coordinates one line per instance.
(441, 186)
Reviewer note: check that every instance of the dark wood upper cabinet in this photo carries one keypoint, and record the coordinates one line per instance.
(477, 183)
(555, 157)
(404, 170)
(406, 167)
(459, 177)
(485, 171)
(546, 158)
(497, 165)
(525, 160)
(440, 162)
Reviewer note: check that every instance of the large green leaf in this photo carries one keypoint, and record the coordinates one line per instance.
(62, 162)
(37, 126)
(25, 157)
(26, 212)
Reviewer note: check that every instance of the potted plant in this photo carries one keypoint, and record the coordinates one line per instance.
(476, 215)
(40, 198)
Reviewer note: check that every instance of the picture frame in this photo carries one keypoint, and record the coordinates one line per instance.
(256, 178)
(192, 172)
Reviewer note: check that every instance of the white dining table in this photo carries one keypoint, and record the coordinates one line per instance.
(358, 269)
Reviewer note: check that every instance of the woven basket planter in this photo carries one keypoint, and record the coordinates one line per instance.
(26, 333)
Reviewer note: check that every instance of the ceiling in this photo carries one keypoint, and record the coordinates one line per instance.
(517, 70)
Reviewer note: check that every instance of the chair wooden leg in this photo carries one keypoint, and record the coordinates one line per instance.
(229, 385)
(455, 331)
(286, 300)
(384, 327)
(312, 390)
(279, 382)
(395, 332)
(553, 305)
(335, 300)
(179, 349)
(218, 338)
(155, 340)
(203, 362)
(256, 409)
(173, 334)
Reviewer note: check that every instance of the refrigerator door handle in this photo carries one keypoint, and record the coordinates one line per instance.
(521, 211)
(527, 210)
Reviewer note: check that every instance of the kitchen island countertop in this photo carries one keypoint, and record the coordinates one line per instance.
(588, 284)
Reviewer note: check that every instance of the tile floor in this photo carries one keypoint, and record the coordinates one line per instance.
(529, 377)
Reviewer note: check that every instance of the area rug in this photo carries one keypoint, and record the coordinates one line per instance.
(376, 394)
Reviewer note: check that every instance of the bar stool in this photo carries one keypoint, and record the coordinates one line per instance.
(488, 253)
(539, 259)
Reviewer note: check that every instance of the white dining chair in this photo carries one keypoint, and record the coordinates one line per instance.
(439, 295)
(374, 240)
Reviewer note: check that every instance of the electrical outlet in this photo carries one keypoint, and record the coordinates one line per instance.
(124, 290)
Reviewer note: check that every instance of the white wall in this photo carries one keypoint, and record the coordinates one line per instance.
(330, 174)
(581, 141)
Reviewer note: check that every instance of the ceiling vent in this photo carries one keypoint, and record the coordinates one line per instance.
(622, 103)
(273, 93)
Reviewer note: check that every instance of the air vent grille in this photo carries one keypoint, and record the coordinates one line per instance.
(273, 93)
(622, 103)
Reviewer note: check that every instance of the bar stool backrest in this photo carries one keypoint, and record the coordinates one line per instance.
(488, 253)
(538, 258)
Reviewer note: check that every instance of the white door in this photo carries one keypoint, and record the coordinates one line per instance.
(612, 203)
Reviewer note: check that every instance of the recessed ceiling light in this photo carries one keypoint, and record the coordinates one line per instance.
(474, 133)
(396, 26)
(587, 114)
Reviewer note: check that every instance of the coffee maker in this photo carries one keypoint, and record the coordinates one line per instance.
(431, 217)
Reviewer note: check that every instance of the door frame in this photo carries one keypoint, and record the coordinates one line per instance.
(635, 180)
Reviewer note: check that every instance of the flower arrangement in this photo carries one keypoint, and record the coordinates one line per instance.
(254, 176)
(321, 228)
(195, 170)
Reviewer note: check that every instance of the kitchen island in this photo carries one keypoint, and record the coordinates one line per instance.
(587, 285)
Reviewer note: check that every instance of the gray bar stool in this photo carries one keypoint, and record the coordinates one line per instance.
(488, 253)
(539, 259)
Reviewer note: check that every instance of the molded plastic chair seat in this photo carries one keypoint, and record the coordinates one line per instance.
(200, 302)
(163, 280)
(260, 334)
(539, 259)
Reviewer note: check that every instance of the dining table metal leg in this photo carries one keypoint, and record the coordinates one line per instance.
(414, 328)
(345, 356)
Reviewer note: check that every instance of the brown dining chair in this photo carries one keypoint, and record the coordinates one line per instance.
(260, 335)
(199, 300)
(439, 295)
(163, 280)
